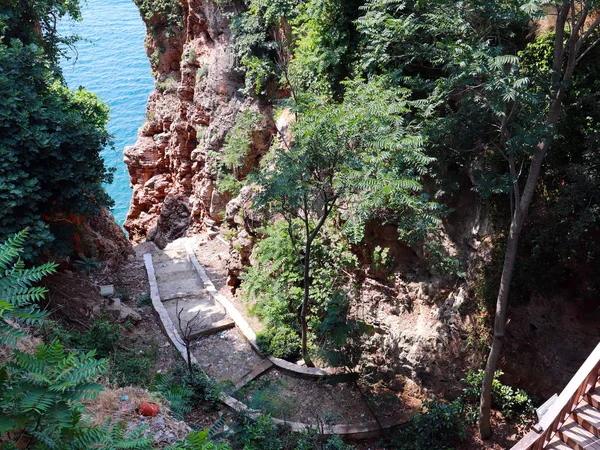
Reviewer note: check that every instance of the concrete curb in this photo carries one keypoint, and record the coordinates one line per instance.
(352, 431)
(245, 327)
(166, 323)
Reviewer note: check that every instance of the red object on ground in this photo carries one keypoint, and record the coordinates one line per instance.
(149, 409)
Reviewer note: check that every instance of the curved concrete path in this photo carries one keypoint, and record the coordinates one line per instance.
(188, 304)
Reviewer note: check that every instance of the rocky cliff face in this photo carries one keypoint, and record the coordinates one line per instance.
(422, 321)
(195, 104)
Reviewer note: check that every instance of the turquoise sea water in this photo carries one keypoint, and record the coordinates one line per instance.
(112, 62)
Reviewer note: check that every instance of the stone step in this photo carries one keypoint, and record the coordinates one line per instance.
(199, 315)
(593, 398)
(179, 288)
(175, 250)
(588, 417)
(557, 444)
(578, 437)
(170, 266)
(181, 276)
(256, 371)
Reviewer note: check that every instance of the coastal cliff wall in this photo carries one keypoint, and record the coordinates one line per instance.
(195, 104)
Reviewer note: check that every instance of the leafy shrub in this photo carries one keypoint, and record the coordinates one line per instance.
(341, 338)
(437, 427)
(258, 433)
(102, 336)
(86, 265)
(198, 440)
(133, 367)
(143, 300)
(186, 390)
(235, 153)
(50, 127)
(275, 280)
(158, 13)
(261, 433)
(40, 392)
(18, 298)
(282, 342)
(179, 395)
(509, 401)
(169, 85)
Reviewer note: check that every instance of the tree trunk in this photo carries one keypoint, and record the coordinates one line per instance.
(516, 225)
(189, 357)
(304, 309)
(559, 82)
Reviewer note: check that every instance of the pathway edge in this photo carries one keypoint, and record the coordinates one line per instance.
(244, 326)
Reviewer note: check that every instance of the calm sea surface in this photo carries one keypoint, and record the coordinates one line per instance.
(112, 62)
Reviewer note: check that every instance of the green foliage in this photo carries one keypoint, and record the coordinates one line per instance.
(143, 300)
(179, 395)
(34, 22)
(86, 265)
(45, 125)
(439, 426)
(509, 401)
(168, 86)
(381, 258)
(41, 393)
(229, 168)
(115, 436)
(261, 433)
(257, 433)
(187, 390)
(322, 40)
(198, 440)
(281, 342)
(133, 367)
(313, 38)
(102, 336)
(161, 15)
(341, 338)
(274, 282)
(18, 295)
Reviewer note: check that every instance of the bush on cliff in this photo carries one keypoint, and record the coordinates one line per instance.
(51, 171)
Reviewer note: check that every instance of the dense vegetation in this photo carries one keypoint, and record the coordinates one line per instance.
(396, 106)
(51, 172)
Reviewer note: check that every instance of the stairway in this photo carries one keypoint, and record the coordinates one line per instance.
(191, 309)
(581, 430)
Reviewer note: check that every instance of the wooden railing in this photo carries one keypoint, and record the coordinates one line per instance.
(584, 380)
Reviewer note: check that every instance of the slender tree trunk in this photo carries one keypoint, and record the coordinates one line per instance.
(502, 304)
(516, 226)
(189, 357)
(305, 300)
(560, 80)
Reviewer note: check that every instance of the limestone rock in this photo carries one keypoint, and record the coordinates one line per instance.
(118, 311)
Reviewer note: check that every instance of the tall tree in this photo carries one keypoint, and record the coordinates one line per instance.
(575, 25)
(361, 155)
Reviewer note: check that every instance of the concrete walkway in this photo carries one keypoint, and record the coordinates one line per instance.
(191, 309)
(189, 305)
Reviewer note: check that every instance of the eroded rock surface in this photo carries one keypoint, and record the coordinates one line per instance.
(195, 104)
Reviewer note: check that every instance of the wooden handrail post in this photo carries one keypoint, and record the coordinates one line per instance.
(582, 382)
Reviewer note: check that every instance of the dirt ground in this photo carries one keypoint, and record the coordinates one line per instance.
(72, 299)
(225, 355)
